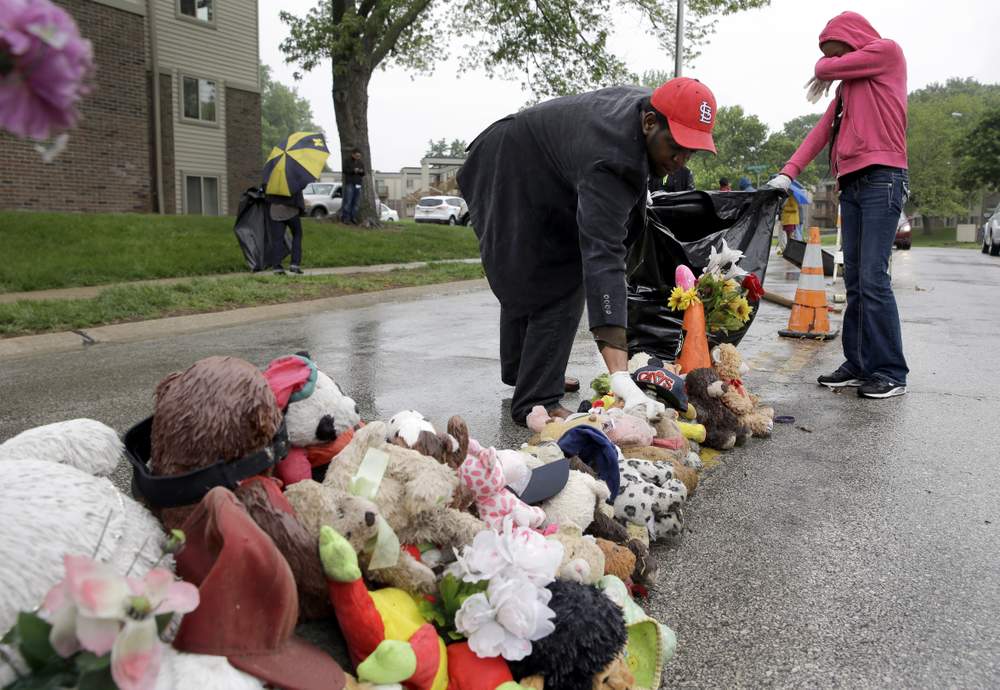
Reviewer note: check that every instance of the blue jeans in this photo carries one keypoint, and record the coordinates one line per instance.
(870, 205)
(352, 199)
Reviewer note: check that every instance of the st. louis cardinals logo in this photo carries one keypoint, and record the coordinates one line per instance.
(706, 113)
(657, 378)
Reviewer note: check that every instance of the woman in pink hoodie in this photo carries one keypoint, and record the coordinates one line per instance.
(866, 123)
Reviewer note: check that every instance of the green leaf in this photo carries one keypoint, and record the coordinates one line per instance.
(45, 679)
(33, 640)
(88, 661)
(162, 621)
(98, 679)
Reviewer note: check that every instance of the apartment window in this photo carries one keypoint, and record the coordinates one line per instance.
(201, 195)
(199, 99)
(201, 10)
(409, 184)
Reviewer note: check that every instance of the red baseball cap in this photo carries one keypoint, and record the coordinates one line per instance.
(249, 604)
(689, 107)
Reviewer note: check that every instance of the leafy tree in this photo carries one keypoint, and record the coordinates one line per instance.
(979, 154)
(456, 149)
(553, 47)
(436, 149)
(940, 119)
(654, 77)
(780, 146)
(282, 111)
(739, 140)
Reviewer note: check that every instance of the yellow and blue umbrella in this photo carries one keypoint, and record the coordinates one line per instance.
(294, 163)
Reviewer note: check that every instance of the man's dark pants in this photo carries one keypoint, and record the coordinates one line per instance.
(276, 245)
(535, 349)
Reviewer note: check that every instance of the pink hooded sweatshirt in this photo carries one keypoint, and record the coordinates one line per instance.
(873, 89)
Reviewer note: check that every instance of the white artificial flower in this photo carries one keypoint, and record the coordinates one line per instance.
(509, 554)
(724, 262)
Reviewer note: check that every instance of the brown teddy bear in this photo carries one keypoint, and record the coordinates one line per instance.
(414, 495)
(744, 404)
(723, 429)
(222, 409)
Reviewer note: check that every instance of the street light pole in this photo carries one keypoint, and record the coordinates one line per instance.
(679, 51)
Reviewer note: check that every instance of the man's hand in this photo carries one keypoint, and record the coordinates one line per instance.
(782, 182)
(817, 89)
(624, 387)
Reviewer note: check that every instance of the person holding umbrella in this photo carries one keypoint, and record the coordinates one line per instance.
(292, 165)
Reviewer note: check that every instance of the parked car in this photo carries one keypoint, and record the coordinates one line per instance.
(387, 215)
(991, 234)
(323, 199)
(904, 233)
(441, 209)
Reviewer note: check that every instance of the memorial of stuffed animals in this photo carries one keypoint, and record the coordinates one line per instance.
(261, 499)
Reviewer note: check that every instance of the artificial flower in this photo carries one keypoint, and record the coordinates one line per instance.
(731, 286)
(96, 609)
(681, 299)
(741, 308)
(751, 283)
(44, 64)
(506, 619)
(510, 553)
(724, 262)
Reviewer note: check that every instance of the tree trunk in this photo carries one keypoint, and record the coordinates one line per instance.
(350, 105)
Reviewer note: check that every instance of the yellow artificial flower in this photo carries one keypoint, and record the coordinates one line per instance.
(732, 286)
(741, 308)
(681, 299)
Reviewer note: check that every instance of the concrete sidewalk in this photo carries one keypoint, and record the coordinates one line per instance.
(92, 291)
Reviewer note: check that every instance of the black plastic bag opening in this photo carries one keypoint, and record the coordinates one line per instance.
(682, 228)
(253, 229)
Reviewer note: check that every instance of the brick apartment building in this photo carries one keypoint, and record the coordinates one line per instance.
(173, 121)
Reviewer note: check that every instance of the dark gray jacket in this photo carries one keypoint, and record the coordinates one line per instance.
(556, 193)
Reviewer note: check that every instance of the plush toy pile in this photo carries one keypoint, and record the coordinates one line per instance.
(261, 499)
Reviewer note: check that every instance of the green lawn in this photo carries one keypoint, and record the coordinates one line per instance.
(55, 250)
(123, 303)
(941, 238)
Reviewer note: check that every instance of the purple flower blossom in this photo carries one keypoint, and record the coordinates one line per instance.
(43, 67)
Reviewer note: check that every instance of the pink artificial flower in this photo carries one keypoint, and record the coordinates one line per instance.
(44, 63)
(97, 609)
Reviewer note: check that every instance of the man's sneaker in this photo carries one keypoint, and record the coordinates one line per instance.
(880, 388)
(295, 269)
(839, 379)
(279, 271)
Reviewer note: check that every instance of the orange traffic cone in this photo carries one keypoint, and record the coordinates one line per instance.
(694, 352)
(810, 317)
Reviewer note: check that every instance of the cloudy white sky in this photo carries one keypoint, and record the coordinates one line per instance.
(758, 59)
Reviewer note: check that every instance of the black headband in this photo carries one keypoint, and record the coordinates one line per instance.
(189, 488)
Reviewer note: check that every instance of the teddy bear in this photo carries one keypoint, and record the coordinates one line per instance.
(567, 660)
(651, 496)
(410, 429)
(414, 494)
(355, 517)
(61, 502)
(319, 418)
(583, 557)
(625, 429)
(744, 404)
(618, 560)
(723, 429)
(486, 473)
(222, 409)
(575, 503)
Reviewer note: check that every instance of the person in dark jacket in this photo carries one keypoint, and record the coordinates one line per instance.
(680, 181)
(354, 173)
(284, 212)
(556, 194)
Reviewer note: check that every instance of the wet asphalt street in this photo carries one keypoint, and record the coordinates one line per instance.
(859, 547)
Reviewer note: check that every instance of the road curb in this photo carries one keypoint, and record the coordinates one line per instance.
(68, 341)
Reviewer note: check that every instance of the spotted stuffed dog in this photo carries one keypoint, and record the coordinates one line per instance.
(651, 496)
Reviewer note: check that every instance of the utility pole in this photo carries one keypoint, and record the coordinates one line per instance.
(679, 52)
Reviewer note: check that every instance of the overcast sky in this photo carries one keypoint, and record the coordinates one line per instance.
(758, 59)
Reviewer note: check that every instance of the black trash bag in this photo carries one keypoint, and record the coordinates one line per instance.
(252, 229)
(682, 228)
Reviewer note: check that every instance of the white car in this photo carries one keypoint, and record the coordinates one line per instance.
(386, 214)
(991, 234)
(441, 209)
(323, 199)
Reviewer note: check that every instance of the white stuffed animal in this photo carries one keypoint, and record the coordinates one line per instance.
(52, 505)
(650, 496)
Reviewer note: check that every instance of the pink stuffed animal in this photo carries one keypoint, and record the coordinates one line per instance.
(483, 473)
